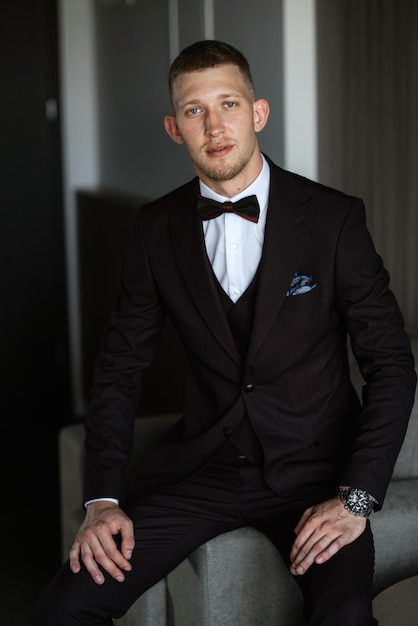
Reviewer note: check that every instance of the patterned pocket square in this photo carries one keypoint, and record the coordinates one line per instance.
(300, 284)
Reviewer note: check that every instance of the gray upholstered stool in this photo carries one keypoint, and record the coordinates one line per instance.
(398, 604)
(235, 579)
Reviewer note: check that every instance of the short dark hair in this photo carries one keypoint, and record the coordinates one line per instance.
(202, 55)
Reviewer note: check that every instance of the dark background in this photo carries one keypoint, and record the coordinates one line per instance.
(36, 375)
(35, 392)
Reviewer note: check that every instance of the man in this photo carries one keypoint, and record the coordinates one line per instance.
(273, 434)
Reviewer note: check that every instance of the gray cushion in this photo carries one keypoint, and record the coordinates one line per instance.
(395, 531)
(151, 609)
(235, 579)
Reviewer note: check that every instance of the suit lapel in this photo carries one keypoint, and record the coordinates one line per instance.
(289, 217)
(190, 251)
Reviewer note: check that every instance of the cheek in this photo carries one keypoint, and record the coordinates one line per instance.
(245, 126)
(191, 134)
(195, 145)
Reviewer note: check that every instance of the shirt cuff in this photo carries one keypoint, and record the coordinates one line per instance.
(114, 500)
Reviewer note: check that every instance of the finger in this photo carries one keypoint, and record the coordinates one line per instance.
(325, 542)
(94, 555)
(81, 551)
(314, 537)
(305, 531)
(74, 557)
(98, 548)
(349, 533)
(117, 524)
(128, 542)
(305, 517)
(91, 566)
(299, 548)
(324, 555)
(110, 552)
(322, 549)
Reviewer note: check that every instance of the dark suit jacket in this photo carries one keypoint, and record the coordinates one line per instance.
(294, 382)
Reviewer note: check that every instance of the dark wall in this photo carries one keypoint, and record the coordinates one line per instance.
(35, 397)
(106, 223)
(33, 309)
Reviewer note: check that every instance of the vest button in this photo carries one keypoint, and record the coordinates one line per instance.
(249, 388)
(227, 431)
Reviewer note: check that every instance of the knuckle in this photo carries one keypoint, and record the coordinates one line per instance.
(320, 547)
(88, 534)
(303, 553)
(100, 526)
(297, 544)
(101, 559)
(112, 553)
(312, 520)
(329, 528)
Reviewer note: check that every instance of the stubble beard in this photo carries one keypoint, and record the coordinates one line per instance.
(221, 171)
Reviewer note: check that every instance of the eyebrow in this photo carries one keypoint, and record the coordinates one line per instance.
(221, 96)
(235, 94)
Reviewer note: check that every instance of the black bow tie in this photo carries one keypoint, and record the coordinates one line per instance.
(248, 208)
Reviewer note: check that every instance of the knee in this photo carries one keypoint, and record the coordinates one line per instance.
(45, 614)
(48, 614)
(51, 610)
(348, 611)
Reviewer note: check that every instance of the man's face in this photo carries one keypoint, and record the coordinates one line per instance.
(217, 120)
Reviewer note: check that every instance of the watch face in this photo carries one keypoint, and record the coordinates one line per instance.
(358, 501)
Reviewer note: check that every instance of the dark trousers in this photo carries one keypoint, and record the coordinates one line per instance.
(228, 494)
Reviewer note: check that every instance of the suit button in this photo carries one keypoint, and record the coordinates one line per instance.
(227, 431)
(249, 388)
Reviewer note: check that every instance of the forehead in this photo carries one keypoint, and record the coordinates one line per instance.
(209, 83)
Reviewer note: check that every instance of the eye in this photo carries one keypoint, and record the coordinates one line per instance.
(229, 105)
(193, 111)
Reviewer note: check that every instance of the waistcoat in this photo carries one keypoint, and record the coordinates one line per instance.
(240, 317)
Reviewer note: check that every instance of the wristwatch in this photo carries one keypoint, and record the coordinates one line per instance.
(356, 501)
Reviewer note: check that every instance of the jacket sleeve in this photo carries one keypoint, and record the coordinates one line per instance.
(129, 345)
(383, 352)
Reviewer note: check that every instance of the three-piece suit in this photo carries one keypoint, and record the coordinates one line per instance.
(293, 382)
(267, 376)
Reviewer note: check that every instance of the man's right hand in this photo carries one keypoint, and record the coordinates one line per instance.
(95, 545)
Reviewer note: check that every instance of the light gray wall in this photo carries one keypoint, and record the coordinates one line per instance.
(133, 57)
(256, 28)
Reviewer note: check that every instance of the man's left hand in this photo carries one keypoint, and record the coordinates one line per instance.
(321, 532)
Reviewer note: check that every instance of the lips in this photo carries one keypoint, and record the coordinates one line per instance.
(219, 150)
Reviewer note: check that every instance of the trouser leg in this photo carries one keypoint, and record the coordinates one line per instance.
(74, 599)
(168, 527)
(338, 592)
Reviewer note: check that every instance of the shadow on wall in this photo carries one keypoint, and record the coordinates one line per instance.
(106, 222)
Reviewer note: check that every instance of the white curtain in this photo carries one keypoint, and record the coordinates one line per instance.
(368, 125)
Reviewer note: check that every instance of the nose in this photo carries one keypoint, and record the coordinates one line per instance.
(213, 123)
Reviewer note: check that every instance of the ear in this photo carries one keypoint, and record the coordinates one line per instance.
(261, 114)
(172, 129)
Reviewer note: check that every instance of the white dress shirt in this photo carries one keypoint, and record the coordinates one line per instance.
(233, 244)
